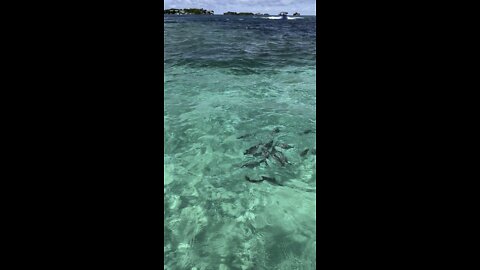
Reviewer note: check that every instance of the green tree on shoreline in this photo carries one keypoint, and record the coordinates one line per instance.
(188, 11)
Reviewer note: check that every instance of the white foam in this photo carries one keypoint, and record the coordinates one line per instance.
(279, 17)
(272, 18)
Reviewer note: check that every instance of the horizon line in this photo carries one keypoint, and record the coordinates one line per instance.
(221, 13)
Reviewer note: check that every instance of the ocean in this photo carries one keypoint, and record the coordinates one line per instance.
(239, 142)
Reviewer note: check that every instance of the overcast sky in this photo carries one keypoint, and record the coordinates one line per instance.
(273, 7)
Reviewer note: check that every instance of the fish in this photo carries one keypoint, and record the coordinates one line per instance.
(245, 136)
(284, 146)
(271, 180)
(251, 165)
(304, 152)
(276, 130)
(254, 164)
(263, 152)
(280, 157)
(308, 131)
(251, 150)
(269, 144)
(253, 180)
(265, 161)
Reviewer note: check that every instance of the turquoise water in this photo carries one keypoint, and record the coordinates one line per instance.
(232, 84)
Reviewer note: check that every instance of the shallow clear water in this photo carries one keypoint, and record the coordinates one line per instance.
(228, 77)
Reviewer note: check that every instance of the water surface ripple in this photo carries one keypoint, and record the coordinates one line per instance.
(253, 78)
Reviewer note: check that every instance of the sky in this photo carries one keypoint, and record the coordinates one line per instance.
(272, 7)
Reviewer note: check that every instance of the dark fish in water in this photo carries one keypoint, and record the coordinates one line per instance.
(266, 154)
(280, 157)
(314, 151)
(251, 165)
(245, 136)
(271, 180)
(276, 130)
(308, 131)
(285, 146)
(251, 150)
(269, 144)
(304, 152)
(252, 180)
(273, 150)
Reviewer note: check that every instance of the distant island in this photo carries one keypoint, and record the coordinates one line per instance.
(189, 11)
(245, 13)
(201, 11)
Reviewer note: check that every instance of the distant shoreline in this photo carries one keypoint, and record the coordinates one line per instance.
(306, 15)
(201, 11)
(188, 11)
